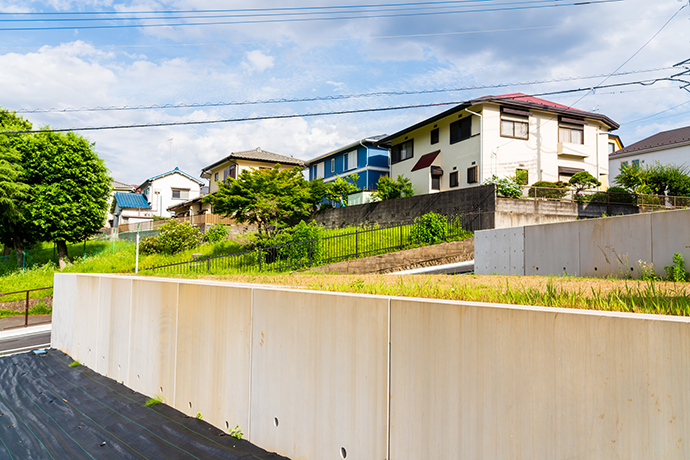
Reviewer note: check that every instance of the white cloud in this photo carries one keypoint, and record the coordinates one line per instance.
(257, 61)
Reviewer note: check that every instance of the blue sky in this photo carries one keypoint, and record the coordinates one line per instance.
(408, 47)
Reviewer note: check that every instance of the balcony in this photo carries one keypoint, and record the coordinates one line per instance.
(573, 150)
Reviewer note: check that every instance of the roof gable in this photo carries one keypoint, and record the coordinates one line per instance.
(174, 171)
(257, 154)
(662, 139)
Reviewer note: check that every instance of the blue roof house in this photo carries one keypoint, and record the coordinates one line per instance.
(130, 208)
(362, 157)
(169, 189)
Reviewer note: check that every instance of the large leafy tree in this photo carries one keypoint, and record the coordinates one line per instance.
(14, 192)
(389, 189)
(655, 179)
(70, 188)
(267, 198)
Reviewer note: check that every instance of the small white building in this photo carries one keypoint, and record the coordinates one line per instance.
(667, 147)
(168, 189)
(130, 208)
(501, 135)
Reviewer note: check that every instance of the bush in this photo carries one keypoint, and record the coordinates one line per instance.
(298, 244)
(429, 228)
(620, 195)
(505, 187)
(216, 233)
(176, 236)
(149, 245)
(676, 272)
(545, 189)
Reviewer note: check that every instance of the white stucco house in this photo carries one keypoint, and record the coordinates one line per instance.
(170, 188)
(498, 135)
(667, 147)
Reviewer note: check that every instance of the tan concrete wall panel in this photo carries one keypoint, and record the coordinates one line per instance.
(85, 334)
(213, 354)
(64, 304)
(114, 314)
(152, 342)
(483, 382)
(319, 366)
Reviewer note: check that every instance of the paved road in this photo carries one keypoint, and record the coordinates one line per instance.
(25, 342)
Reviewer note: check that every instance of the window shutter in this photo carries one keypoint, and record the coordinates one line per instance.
(465, 128)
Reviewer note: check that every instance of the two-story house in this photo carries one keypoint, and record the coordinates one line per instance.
(362, 157)
(666, 147)
(233, 164)
(501, 135)
(168, 189)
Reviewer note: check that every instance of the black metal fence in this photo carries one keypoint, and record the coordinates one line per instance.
(335, 248)
(23, 298)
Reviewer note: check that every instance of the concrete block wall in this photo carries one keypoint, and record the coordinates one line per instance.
(611, 246)
(316, 375)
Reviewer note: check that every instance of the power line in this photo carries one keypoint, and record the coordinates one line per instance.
(314, 114)
(245, 10)
(636, 52)
(324, 98)
(206, 15)
(291, 20)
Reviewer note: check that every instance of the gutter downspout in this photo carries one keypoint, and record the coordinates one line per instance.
(481, 143)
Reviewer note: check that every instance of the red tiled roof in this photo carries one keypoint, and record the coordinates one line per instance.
(534, 100)
(426, 160)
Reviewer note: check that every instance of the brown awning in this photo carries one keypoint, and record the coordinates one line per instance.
(522, 113)
(436, 171)
(426, 160)
(572, 121)
(571, 171)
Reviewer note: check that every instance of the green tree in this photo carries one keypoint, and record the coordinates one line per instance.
(267, 198)
(634, 178)
(338, 190)
(583, 181)
(70, 188)
(14, 192)
(389, 189)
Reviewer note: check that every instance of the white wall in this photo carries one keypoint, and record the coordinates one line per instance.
(306, 373)
(164, 186)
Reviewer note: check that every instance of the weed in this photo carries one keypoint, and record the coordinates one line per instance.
(676, 272)
(74, 364)
(153, 401)
(647, 271)
(236, 432)
(199, 416)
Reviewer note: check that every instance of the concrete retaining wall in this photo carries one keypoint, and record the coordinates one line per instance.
(458, 251)
(597, 247)
(309, 373)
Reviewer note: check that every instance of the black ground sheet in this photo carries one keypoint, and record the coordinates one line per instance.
(49, 410)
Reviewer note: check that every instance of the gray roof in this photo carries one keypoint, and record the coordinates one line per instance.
(257, 155)
(116, 185)
(662, 139)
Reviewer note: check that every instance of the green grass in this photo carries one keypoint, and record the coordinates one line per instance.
(155, 400)
(74, 364)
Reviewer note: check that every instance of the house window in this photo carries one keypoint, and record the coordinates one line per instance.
(178, 194)
(460, 130)
(435, 182)
(453, 179)
(472, 175)
(351, 160)
(434, 136)
(574, 134)
(216, 177)
(230, 172)
(333, 165)
(624, 164)
(522, 176)
(636, 163)
(517, 128)
(612, 147)
(320, 170)
(402, 151)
